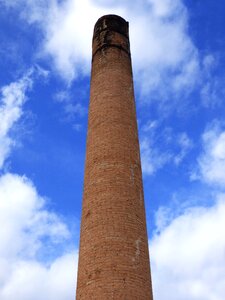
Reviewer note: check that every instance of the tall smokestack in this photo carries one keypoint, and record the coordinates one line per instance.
(113, 257)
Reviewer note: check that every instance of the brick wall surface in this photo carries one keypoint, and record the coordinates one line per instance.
(113, 256)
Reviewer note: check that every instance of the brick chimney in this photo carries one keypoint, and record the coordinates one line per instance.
(113, 256)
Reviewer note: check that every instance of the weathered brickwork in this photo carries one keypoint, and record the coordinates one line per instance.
(113, 257)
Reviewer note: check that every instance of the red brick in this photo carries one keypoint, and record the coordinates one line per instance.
(113, 256)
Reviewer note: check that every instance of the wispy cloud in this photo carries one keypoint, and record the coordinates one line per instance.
(13, 96)
(211, 162)
(161, 146)
(185, 144)
(12, 99)
(71, 109)
(152, 158)
(212, 91)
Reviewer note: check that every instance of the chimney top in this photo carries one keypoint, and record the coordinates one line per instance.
(111, 23)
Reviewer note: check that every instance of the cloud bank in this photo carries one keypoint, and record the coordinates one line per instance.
(187, 256)
(188, 249)
(30, 267)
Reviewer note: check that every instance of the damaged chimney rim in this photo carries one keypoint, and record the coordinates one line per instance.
(112, 23)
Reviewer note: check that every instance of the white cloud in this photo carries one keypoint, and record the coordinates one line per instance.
(11, 108)
(23, 218)
(33, 280)
(12, 99)
(151, 158)
(37, 258)
(212, 91)
(161, 146)
(211, 162)
(28, 231)
(187, 256)
(163, 53)
(185, 144)
(70, 108)
(69, 35)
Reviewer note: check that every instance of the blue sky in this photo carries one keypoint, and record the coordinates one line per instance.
(178, 62)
